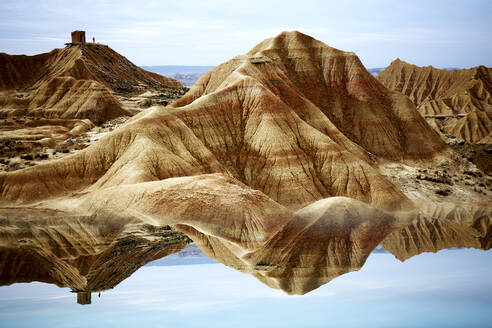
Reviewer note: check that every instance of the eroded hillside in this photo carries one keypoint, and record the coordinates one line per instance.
(457, 103)
(42, 96)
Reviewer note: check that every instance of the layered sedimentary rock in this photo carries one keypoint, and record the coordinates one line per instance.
(75, 82)
(21, 71)
(100, 238)
(328, 89)
(44, 132)
(475, 127)
(116, 72)
(88, 62)
(257, 119)
(458, 101)
(66, 98)
(442, 225)
(329, 238)
(86, 253)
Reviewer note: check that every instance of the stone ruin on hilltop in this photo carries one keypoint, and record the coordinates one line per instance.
(78, 37)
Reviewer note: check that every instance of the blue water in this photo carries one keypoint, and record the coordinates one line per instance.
(449, 289)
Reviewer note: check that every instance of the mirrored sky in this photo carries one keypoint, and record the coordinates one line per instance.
(450, 288)
(443, 33)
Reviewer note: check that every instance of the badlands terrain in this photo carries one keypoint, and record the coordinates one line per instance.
(291, 163)
(56, 103)
(457, 103)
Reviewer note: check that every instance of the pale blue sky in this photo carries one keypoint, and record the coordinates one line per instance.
(195, 32)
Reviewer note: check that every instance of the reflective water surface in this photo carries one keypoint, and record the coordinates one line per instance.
(346, 268)
(447, 289)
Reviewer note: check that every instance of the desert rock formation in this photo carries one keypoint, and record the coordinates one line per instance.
(272, 164)
(442, 225)
(255, 118)
(247, 119)
(101, 238)
(75, 82)
(328, 89)
(458, 101)
(80, 82)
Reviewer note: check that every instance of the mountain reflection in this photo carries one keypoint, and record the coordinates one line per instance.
(86, 254)
(90, 254)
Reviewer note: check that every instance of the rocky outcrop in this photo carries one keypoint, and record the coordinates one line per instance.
(329, 238)
(460, 99)
(77, 82)
(440, 226)
(65, 97)
(327, 88)
(94, 241)
(95, 62)
(19, 72)
(250, 121)
(118, 73)
(103, 237)
(474, 127)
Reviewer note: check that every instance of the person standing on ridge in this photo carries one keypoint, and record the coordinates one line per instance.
(93, 40)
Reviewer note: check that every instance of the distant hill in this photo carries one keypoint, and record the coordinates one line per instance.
(172, 69)
(187, 75)
(375, 71)
(456, 101)
(190, 255)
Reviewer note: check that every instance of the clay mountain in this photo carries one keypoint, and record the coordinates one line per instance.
(76, 82)
(293, 118)
(291, 162)
(458, 102)
(59, 102)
